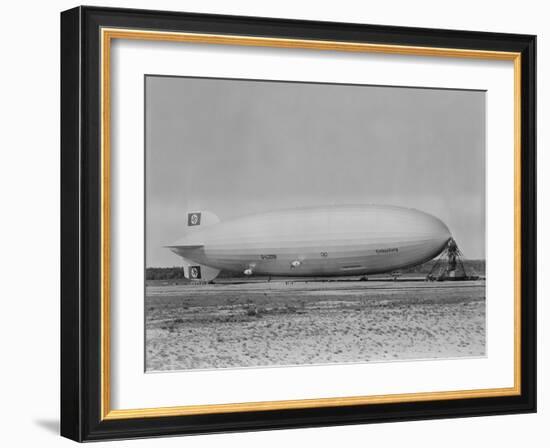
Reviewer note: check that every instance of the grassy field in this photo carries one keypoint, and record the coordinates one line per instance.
(273, 324)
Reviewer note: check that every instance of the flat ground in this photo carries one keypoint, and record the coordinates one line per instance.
(288, 323)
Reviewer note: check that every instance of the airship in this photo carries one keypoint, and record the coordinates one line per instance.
(316, 241)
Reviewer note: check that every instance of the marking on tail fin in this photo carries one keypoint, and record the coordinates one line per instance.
(195, 272)
(194, 219)
(201, 218)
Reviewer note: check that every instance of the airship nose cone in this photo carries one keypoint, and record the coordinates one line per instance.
(441, 230)
(437, 229)
(426, 227)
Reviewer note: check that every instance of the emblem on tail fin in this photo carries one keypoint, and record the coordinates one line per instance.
(195, 272)
(201, 218)
(194, 219)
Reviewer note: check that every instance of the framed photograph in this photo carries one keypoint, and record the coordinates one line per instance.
(272, 223)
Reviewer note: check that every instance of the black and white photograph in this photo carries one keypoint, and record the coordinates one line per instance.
(289, 220)
(294, 223)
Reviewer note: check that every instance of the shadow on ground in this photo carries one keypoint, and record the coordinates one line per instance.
(51, 426)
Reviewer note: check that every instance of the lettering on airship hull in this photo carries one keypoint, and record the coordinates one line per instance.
(388, 250)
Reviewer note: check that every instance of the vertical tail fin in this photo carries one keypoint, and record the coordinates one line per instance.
(191, 269)
(193, 247)
(201, 218)
(198, 272)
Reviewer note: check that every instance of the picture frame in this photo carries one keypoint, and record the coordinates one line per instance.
(87, 35)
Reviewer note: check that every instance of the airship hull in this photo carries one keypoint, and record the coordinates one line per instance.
(323, 241)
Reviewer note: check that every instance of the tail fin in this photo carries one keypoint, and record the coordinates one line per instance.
(191, 243)
(201, 218)
(198, 272)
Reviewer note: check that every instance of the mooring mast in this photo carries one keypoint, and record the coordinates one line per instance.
(449, 265)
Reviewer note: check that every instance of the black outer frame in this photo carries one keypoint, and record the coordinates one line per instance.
(80, 224)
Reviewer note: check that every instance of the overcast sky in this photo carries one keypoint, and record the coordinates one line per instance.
(240, 147)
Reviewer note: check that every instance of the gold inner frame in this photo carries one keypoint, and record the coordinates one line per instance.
(107, 35)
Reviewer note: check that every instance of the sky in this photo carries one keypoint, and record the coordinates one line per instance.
(238, 147)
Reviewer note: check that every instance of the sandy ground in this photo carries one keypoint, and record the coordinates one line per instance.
(286, 323)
